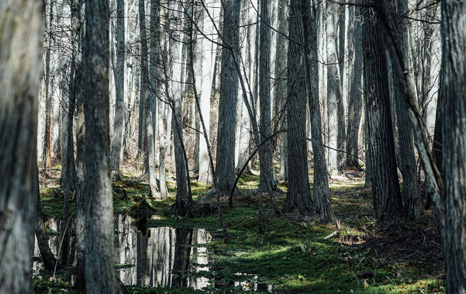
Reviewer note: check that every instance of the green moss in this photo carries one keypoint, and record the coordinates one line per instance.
(293, 256)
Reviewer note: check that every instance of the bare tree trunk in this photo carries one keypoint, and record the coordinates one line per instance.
(267, 173)
(151, 106)
(385, 187)
(80, 219)
(322, 201)
(46, 153)
(280, 87)
(454, 142)
(298, 197)
(174, 94)
(119, 122)
(355, 97)
(39, 229)
(333, 86)
(204, 86)
(225, 169)
(143, 90)
(20, 70)
(100, 273)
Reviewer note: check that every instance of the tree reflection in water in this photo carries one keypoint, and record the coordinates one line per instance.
(162, 256)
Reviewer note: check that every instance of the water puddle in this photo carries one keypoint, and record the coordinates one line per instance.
(162, 256)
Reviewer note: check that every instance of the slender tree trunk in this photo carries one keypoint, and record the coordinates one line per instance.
(143, 90)
(267, 177)
(174, 95)
(298, 197)
(355, 99)
(151, 106)
(204, 84)
(119, 122)
(225, 169)
(280, 87)
(100, 273)
(454, 142)
(46, 153)
(333, 86)
(39, 229)
(322, 201)
(385, 187)
(411, 193)
(80, 219)
(20, 68)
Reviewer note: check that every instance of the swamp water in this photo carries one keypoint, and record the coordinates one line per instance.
(161, 256)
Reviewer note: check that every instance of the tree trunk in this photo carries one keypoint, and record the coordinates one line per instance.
(20, 70)
(151, 106)
(204, 86)
(322, 201)
(46, 153)
(355, 99)
(80, 228)
(267, 173)
(298, 197)
(225, 168)
(411, 193)
(280, 88)
(333, 87)
(119, 122)
(143, 90)
(39, 229)
(454, 142)
(100, 272)
(385, 187)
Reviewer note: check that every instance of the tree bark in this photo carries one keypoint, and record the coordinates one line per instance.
(298, 197)
(46, 153)
(280, 88)
(20, 70)
(100, 273)
(267, 172)
(385, 187)
(321, 191)
(151, 106)
(454, 142)
(355, 99)
(119, 122)
(225, 163)
(333, 87)
(39, 229)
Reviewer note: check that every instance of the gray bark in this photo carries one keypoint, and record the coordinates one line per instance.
(80, 181)
(20, 70)
(355, 97)
(143, 90)
(411, 193)
(151, 105)
(100, 273)
(118, 127)
(174, 95)
(267, 177)
(298, 197)
(46, 152)
(39, 230)
(333, 86)
(385, 187)
(321, 191)
(225, 163)
(454, 142)
(280, 87)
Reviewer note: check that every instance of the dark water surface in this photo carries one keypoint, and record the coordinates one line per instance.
(162, 256)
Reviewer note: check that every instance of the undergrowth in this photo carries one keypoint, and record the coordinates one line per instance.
(294, 255)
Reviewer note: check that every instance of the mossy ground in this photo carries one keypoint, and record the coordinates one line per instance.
(293, 256)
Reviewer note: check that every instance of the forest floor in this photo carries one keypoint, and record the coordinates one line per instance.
(294, 255)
